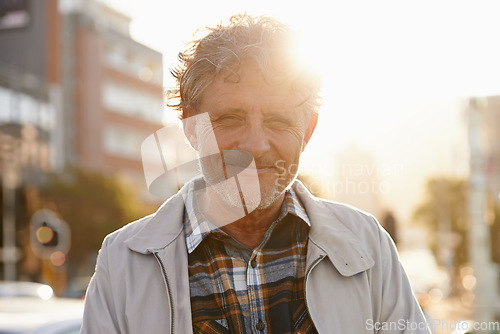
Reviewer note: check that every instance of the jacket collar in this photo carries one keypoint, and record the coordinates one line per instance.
(328, 232)
(163, 227)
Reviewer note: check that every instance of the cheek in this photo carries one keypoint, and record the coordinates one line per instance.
(291, 167)
(289, 143)
(227, 138)
(287, 160)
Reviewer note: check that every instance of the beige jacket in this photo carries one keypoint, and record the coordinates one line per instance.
(354, 281)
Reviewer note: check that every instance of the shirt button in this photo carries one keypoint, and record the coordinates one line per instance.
(260, 326)
(253, 263)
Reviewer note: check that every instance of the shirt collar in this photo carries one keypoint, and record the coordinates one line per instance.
(197, 227)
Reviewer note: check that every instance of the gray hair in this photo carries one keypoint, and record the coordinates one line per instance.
(263, 40)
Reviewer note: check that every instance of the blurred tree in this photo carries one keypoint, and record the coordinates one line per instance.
(444, 213)
(93, 204)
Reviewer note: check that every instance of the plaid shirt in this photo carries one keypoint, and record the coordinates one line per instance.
(237, 290)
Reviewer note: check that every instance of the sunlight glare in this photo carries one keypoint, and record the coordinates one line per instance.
(393, 73)
(307, 51)
(45, 292)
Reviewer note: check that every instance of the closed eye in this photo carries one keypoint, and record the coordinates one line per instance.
(278, 123)
(229, 120)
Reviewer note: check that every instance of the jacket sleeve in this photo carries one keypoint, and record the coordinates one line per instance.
(399, 310)
(99, 313)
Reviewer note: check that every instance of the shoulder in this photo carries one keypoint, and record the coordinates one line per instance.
(158, 222)
(351, 217)
(332, 214)
(127, 231)
(356, 223)
(151, 232)
(341, 228)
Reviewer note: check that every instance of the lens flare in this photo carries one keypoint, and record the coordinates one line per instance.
(57, 258)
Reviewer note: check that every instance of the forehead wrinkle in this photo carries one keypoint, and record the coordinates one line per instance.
(228, 102)
(249, 92)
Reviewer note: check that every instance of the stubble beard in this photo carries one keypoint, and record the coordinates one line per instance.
(234, 199)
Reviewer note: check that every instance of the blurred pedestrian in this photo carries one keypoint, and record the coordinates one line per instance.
(390, 225)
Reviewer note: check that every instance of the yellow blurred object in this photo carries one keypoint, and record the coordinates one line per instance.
(55, 275)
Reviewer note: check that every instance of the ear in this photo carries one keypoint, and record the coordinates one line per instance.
(189, 126)
(313, 121)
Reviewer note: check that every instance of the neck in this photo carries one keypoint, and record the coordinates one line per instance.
(248, 229)
(251, 229)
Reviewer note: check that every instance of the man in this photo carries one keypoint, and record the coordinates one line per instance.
(246, 248)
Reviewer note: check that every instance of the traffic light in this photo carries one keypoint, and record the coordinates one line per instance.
(49, 235)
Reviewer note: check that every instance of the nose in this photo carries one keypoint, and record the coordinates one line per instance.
(254, 140)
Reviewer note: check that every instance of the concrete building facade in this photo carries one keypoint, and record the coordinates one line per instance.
(112, 91)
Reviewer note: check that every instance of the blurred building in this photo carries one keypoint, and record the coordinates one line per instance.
(30, 96)
(28, 86)
(489, 107)
(488, 129)
(484, 204)
(71, 70)
(112, 90)
(75, 90)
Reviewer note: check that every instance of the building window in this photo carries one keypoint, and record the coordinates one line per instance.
(132, 102)
(133, 63)
(123, 142)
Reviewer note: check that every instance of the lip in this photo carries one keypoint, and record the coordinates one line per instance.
(262, 170)
(234, 170)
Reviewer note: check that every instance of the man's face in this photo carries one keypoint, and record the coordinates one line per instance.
(250, 115)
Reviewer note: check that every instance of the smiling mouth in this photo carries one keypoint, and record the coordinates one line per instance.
(264, 169)
(233, 170)
(236, 162)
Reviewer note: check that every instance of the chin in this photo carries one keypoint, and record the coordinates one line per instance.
(269, 197)
(255, 197)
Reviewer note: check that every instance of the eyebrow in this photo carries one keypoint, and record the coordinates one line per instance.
(280, 113)
(275, 109)
(227, 109)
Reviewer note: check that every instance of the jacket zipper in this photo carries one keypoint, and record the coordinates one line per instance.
(308, 271)
(172, 312)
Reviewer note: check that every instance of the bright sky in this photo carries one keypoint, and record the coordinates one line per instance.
(394, 73)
